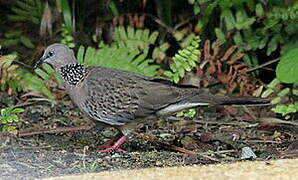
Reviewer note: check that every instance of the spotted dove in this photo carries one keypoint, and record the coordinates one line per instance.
(122, 99)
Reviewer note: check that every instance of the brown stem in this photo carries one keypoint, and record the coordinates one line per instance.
(262, 65)
(48, 131)
(174, 148)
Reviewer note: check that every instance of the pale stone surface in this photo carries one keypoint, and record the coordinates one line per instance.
(277, 169)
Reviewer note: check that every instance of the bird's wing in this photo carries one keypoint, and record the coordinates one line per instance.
(116, 97)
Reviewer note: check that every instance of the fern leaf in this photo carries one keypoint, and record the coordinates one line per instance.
(42, 74)
(80, 55)
(23, 5)
(184, 61)
(34, 83)
(20, 12)
(119, 58)
(153, 36)
(133, 38)
(130, 32)
(29, 10)
(17, 18)
(145, 35)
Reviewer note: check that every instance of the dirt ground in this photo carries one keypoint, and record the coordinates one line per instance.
(216, 134)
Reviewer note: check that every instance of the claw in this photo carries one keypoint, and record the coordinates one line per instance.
(109, 149)
(110, 142)
(107, 144)
(116, 146)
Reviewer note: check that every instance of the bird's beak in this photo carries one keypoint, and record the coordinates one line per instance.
(38, 63)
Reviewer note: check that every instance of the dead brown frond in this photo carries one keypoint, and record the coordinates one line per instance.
(226, 68)
(134, 20)
(46, 22)
(7, 72)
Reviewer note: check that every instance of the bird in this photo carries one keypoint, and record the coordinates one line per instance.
(123, 99)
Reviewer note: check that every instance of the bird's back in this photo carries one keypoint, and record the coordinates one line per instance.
(116, 97)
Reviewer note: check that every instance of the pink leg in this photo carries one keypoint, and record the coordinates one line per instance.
(117, 145)
(109, 143)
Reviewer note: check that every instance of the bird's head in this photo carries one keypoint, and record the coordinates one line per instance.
(57, 55)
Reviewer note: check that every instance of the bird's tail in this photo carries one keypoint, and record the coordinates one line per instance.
(208, 99)
(243, 101)
(230, 100)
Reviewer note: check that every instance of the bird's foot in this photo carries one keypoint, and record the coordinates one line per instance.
(116, 146)
(110, 142)
(107, 144)
(112, 148)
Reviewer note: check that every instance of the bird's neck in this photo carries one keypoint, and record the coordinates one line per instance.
(73, 73)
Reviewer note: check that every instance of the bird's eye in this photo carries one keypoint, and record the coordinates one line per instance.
(51, 53)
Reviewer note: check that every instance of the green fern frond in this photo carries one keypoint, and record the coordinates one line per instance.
(159, 51)
(39, 82)
(15, 38)
(15, 79)
(137, 39)
(34, 83)
(132, 38)
(7, 73)
(285, 13)
(27, 10)
(119, 58)
(8, 116)
(184, 61)
(67, 37)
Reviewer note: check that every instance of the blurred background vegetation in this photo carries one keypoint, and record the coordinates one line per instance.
(247, 47)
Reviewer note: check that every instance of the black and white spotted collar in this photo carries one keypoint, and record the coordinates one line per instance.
(73, 73)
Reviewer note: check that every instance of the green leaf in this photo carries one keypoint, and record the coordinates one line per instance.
(168, 73)
(173, 67)
(119, 58)
(153, 37)
(285, 109)
(176, 78)
(259, 9)
(272, 46)
(66, 14)
(273, 83)
(287, 68)
(267, 93)
(276, 100)
(295, 92)
(11, 118)
(196, 8)
(181, 72)
(26, 41)
(159, 52)
(3, 111)
(229, 19)
(220, 35)
(263, 42)
(238, 38)
(113, 8)
(17, 18)
(42, 74)
(3, 120)
(13, 34)
(80, 54)
(18, 110)
(284, 92)
(68, 38)
(20, 12)
(23, 5)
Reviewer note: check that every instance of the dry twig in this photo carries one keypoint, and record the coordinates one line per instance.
(175, 148)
